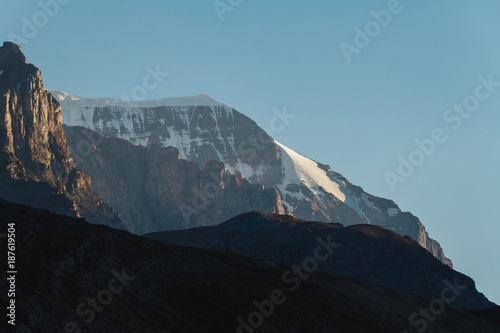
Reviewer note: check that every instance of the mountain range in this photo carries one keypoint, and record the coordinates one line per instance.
(204, 129)
(183, 215)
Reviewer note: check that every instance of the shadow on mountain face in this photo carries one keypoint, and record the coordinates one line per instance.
(74, 275)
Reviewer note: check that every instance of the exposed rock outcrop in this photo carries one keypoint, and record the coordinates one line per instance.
(154, 189)
(35, 164)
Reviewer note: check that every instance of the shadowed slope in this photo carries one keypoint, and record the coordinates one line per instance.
(63, 262)
(367, 252)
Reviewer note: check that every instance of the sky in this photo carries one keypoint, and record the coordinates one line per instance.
(365, 80)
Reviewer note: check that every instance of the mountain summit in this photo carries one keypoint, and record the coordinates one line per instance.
(73, 100)
(35, 163)
(204, 130)
(11, 56)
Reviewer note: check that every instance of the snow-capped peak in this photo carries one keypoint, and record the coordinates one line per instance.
(197, 100)
(62, 96)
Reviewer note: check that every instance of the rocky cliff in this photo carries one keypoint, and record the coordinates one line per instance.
(154, 189)
(35, 164)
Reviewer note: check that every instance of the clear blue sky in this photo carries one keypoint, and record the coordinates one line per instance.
(358, 117)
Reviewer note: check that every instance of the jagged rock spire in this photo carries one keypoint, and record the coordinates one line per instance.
(35, 164)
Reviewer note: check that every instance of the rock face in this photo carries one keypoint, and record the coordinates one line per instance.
(142, 285)
(365, 252)
(35, 163)
(204, 129)
(154, 189)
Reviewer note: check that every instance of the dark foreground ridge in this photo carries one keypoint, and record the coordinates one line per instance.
(368, 252)
(74, 275)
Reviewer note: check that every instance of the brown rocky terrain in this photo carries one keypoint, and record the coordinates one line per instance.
(154, 189)
(78, 277)
(35, 164)
(367, 252)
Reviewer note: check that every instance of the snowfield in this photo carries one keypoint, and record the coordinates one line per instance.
(302, 169)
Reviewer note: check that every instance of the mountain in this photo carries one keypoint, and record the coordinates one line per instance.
(78, 277)
(154, 189)
(35, 164)
(204, 129)
(366, 252)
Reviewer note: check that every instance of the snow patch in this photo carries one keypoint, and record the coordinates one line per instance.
(197, 100)
(128, 120)
(298, 168)
(62, 96)
(392, 212)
